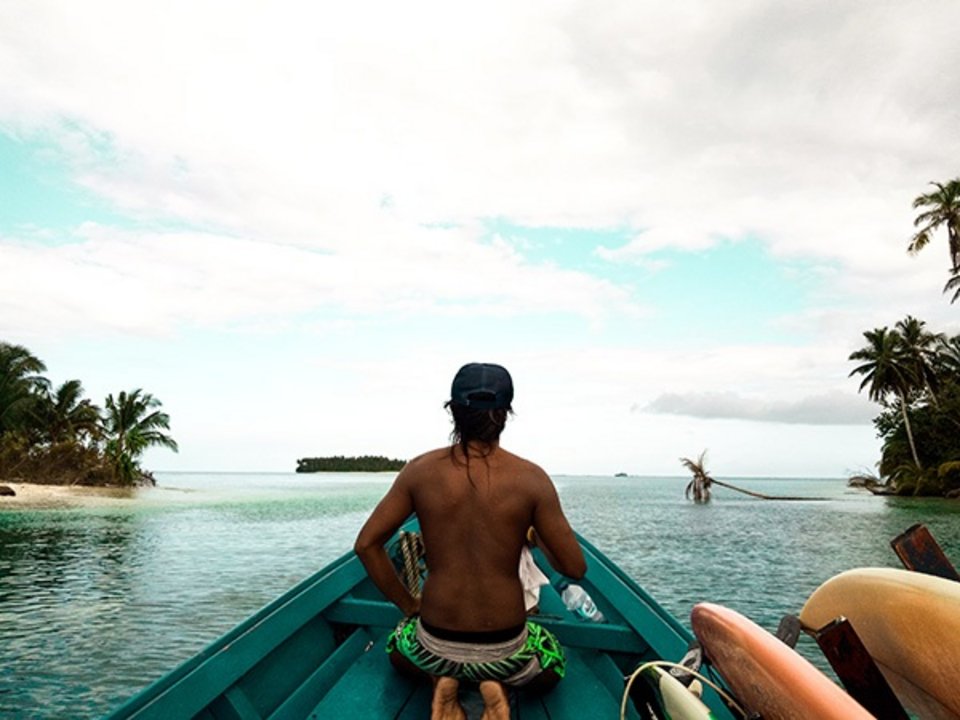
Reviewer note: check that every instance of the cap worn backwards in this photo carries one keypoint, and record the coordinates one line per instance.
(482, 386)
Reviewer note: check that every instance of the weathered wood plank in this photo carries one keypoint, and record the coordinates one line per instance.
(918, 550)
(857, 671)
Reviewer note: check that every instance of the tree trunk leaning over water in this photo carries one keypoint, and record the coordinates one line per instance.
(751, 493)
(699, 486)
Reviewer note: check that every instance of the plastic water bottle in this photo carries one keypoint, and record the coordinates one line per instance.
(576, 599)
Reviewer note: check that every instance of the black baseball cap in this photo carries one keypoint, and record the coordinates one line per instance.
(482, 386)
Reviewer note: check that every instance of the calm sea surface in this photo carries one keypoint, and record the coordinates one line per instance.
(97, 603)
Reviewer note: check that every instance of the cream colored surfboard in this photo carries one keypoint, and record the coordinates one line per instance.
(767, 676)
(909, 622)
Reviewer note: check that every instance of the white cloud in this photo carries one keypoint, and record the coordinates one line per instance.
(149, 282)
(274, 133)
(825, 409)
(556, 114)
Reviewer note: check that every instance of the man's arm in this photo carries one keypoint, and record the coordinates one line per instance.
(395, 507)
(554, 535)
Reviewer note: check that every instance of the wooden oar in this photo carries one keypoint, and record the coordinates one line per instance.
(918, 550)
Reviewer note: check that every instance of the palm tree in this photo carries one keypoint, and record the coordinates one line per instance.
(699, 486)
(131, 424)
(20, 386)
(67, 415)
(887, 369)
(948, 353)
(942, 208)
(920, 349)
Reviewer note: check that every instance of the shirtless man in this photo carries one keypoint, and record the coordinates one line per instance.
(475, 502)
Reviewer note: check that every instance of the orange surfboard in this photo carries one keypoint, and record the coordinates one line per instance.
(909, 622)
(765, 675)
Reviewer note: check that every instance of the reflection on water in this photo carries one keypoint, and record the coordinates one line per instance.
(96, 603)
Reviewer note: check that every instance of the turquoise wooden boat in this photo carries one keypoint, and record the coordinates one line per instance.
(318, 652)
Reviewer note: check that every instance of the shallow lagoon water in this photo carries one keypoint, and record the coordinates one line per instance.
(95, 603)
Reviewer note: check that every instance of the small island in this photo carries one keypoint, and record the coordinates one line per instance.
(340, 463)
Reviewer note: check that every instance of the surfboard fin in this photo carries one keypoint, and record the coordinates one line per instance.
(788, 631)
(692, 660)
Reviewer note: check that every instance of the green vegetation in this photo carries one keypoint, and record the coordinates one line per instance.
(58, 436)
(941, 208)
(339, 463)
(914, 375)
(131, 424)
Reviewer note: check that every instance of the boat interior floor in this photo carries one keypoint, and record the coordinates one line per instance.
(370, 687)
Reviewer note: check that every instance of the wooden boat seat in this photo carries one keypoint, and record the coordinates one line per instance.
(572, 633)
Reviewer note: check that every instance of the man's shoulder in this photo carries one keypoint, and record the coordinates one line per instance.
(427, 460)
(522, 462)
(441, 453)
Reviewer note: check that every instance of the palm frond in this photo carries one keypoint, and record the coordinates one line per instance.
(952, 283)
(942, 209)
(919, 241)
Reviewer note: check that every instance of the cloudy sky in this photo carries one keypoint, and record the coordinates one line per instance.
(293, 222)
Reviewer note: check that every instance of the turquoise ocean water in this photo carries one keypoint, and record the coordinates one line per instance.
(96, 603)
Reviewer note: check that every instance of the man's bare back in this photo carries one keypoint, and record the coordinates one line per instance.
(473, 528)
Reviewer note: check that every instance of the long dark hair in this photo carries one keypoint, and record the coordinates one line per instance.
(471, 425)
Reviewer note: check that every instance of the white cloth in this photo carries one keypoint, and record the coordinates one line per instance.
(531, 578)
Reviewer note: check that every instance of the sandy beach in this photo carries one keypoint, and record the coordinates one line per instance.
(31, 496)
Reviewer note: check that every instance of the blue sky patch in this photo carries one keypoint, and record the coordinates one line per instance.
(732, 292)
(38, 193)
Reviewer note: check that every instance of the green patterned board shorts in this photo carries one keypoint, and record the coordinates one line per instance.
(514, 663)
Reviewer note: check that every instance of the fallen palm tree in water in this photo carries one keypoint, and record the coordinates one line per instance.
(699, 487)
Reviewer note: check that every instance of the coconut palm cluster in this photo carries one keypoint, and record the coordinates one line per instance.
(56, 435)
(914, 375)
